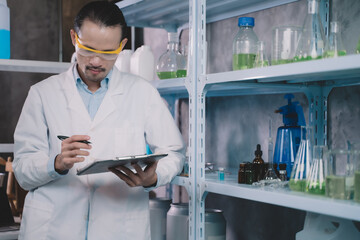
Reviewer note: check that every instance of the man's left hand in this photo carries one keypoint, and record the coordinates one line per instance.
(145, 178)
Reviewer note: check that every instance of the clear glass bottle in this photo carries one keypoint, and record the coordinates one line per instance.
(303, 160)
(334, 46)
(312, 39)
(261, 59)
(167, 64)
(245, 44)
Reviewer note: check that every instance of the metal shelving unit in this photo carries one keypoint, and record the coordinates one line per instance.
(14, 65)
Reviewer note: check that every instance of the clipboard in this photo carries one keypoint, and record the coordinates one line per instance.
(100, 166)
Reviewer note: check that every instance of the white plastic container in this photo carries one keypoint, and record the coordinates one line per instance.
(158, 210)
(142, 63)
(123, 60)
(4, 30)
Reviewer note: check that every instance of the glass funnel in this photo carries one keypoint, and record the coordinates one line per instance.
(315, 182)
(303, 160)
(312, 39)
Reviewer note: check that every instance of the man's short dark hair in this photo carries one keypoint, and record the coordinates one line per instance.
(103, 13)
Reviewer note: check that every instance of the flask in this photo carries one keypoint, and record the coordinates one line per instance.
(282, 172)
(315, 182)
(289, 136)
(312, 39)
(303, 160)
(261, 59)
(4, 30)
(334, 46)
(167, 65)
(241, 173)
(123, 60)
(182, 62)
(258, 164)
(142, 63)
(245, 44)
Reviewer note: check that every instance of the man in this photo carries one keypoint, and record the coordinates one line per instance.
(119, 114)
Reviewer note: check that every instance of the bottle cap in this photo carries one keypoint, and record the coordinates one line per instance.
(258, 150)
(246, 21)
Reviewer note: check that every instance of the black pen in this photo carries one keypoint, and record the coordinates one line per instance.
(65, 137)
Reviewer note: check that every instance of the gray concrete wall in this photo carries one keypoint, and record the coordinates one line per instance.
(234, 125)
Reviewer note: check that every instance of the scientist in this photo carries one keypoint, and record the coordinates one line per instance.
(119, 114)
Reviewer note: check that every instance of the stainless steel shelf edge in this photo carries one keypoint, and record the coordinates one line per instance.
(315, 70)
(286, 198)
(13, 65)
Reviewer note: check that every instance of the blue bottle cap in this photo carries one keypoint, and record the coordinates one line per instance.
(246, 21)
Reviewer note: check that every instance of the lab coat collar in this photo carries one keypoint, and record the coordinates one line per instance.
(108, 105)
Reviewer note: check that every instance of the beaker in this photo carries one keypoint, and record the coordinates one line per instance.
(284, 43)
(315, 182)
(340, 174)
(303, 160)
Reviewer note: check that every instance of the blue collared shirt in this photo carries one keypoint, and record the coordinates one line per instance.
(91, 100)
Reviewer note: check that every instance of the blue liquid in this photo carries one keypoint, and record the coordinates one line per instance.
(4, 44)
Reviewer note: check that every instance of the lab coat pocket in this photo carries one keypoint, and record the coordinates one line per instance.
(129, 141)
(36, 220)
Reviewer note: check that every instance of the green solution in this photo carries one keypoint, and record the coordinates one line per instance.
(181, 73)
(282, 61)
(243, 61)
(330, 54)
(357, 186)
(166, 75)
(298, 185)
(308, 58)
(335, 187)
(358, 47)
(263, 64)
(316, 189)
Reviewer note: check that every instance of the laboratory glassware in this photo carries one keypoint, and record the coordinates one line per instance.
(358, 47)
(167, 64)
(241, 173)
(334, 46)
(312, 39)
(284, 43)
(315, 182)
(289, 135)
(4, 30)
(261, 59)
(182, 62)
(303, 160)
(245, 44)
(340, 173)
(357, 176)
(270, 174)
(258, 164)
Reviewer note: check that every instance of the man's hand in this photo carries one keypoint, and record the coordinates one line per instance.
(71, 152)
(145, 178)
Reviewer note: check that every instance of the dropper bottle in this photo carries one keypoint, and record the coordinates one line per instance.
(258, 164)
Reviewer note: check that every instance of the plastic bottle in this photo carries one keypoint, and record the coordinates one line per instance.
(312, 39)
(142, 63)
(167, 65)
(4, 30)
(245, 44)
(258, 165)
(123, 60)
(289, 136)
(334, 47)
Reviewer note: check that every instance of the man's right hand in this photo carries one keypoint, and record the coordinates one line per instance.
(71, 152)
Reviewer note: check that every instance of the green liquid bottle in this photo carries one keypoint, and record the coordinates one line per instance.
(245, 44)
(166, 75)
(181, 73)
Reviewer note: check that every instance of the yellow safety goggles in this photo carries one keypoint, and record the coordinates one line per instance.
(88, 52)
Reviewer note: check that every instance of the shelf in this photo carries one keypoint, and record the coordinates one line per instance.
(342, 71)
(13, 65)
(171, 86)
(172, 14)
(283, 197)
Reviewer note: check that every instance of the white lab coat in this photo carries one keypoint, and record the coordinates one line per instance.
(58, 206)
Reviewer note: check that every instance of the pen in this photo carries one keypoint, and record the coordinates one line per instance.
(65, 137)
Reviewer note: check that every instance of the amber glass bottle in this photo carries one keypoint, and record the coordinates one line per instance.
(258, 164)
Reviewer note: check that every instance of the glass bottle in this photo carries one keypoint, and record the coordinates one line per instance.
(315, 182)
(334, 46)
(303, 160)
(221, 174)
(241, 173)
(167, 64)
(312, 39)
(245, 44)
(258, 164)
(249, 173)
(261, 59)
(282, 172)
